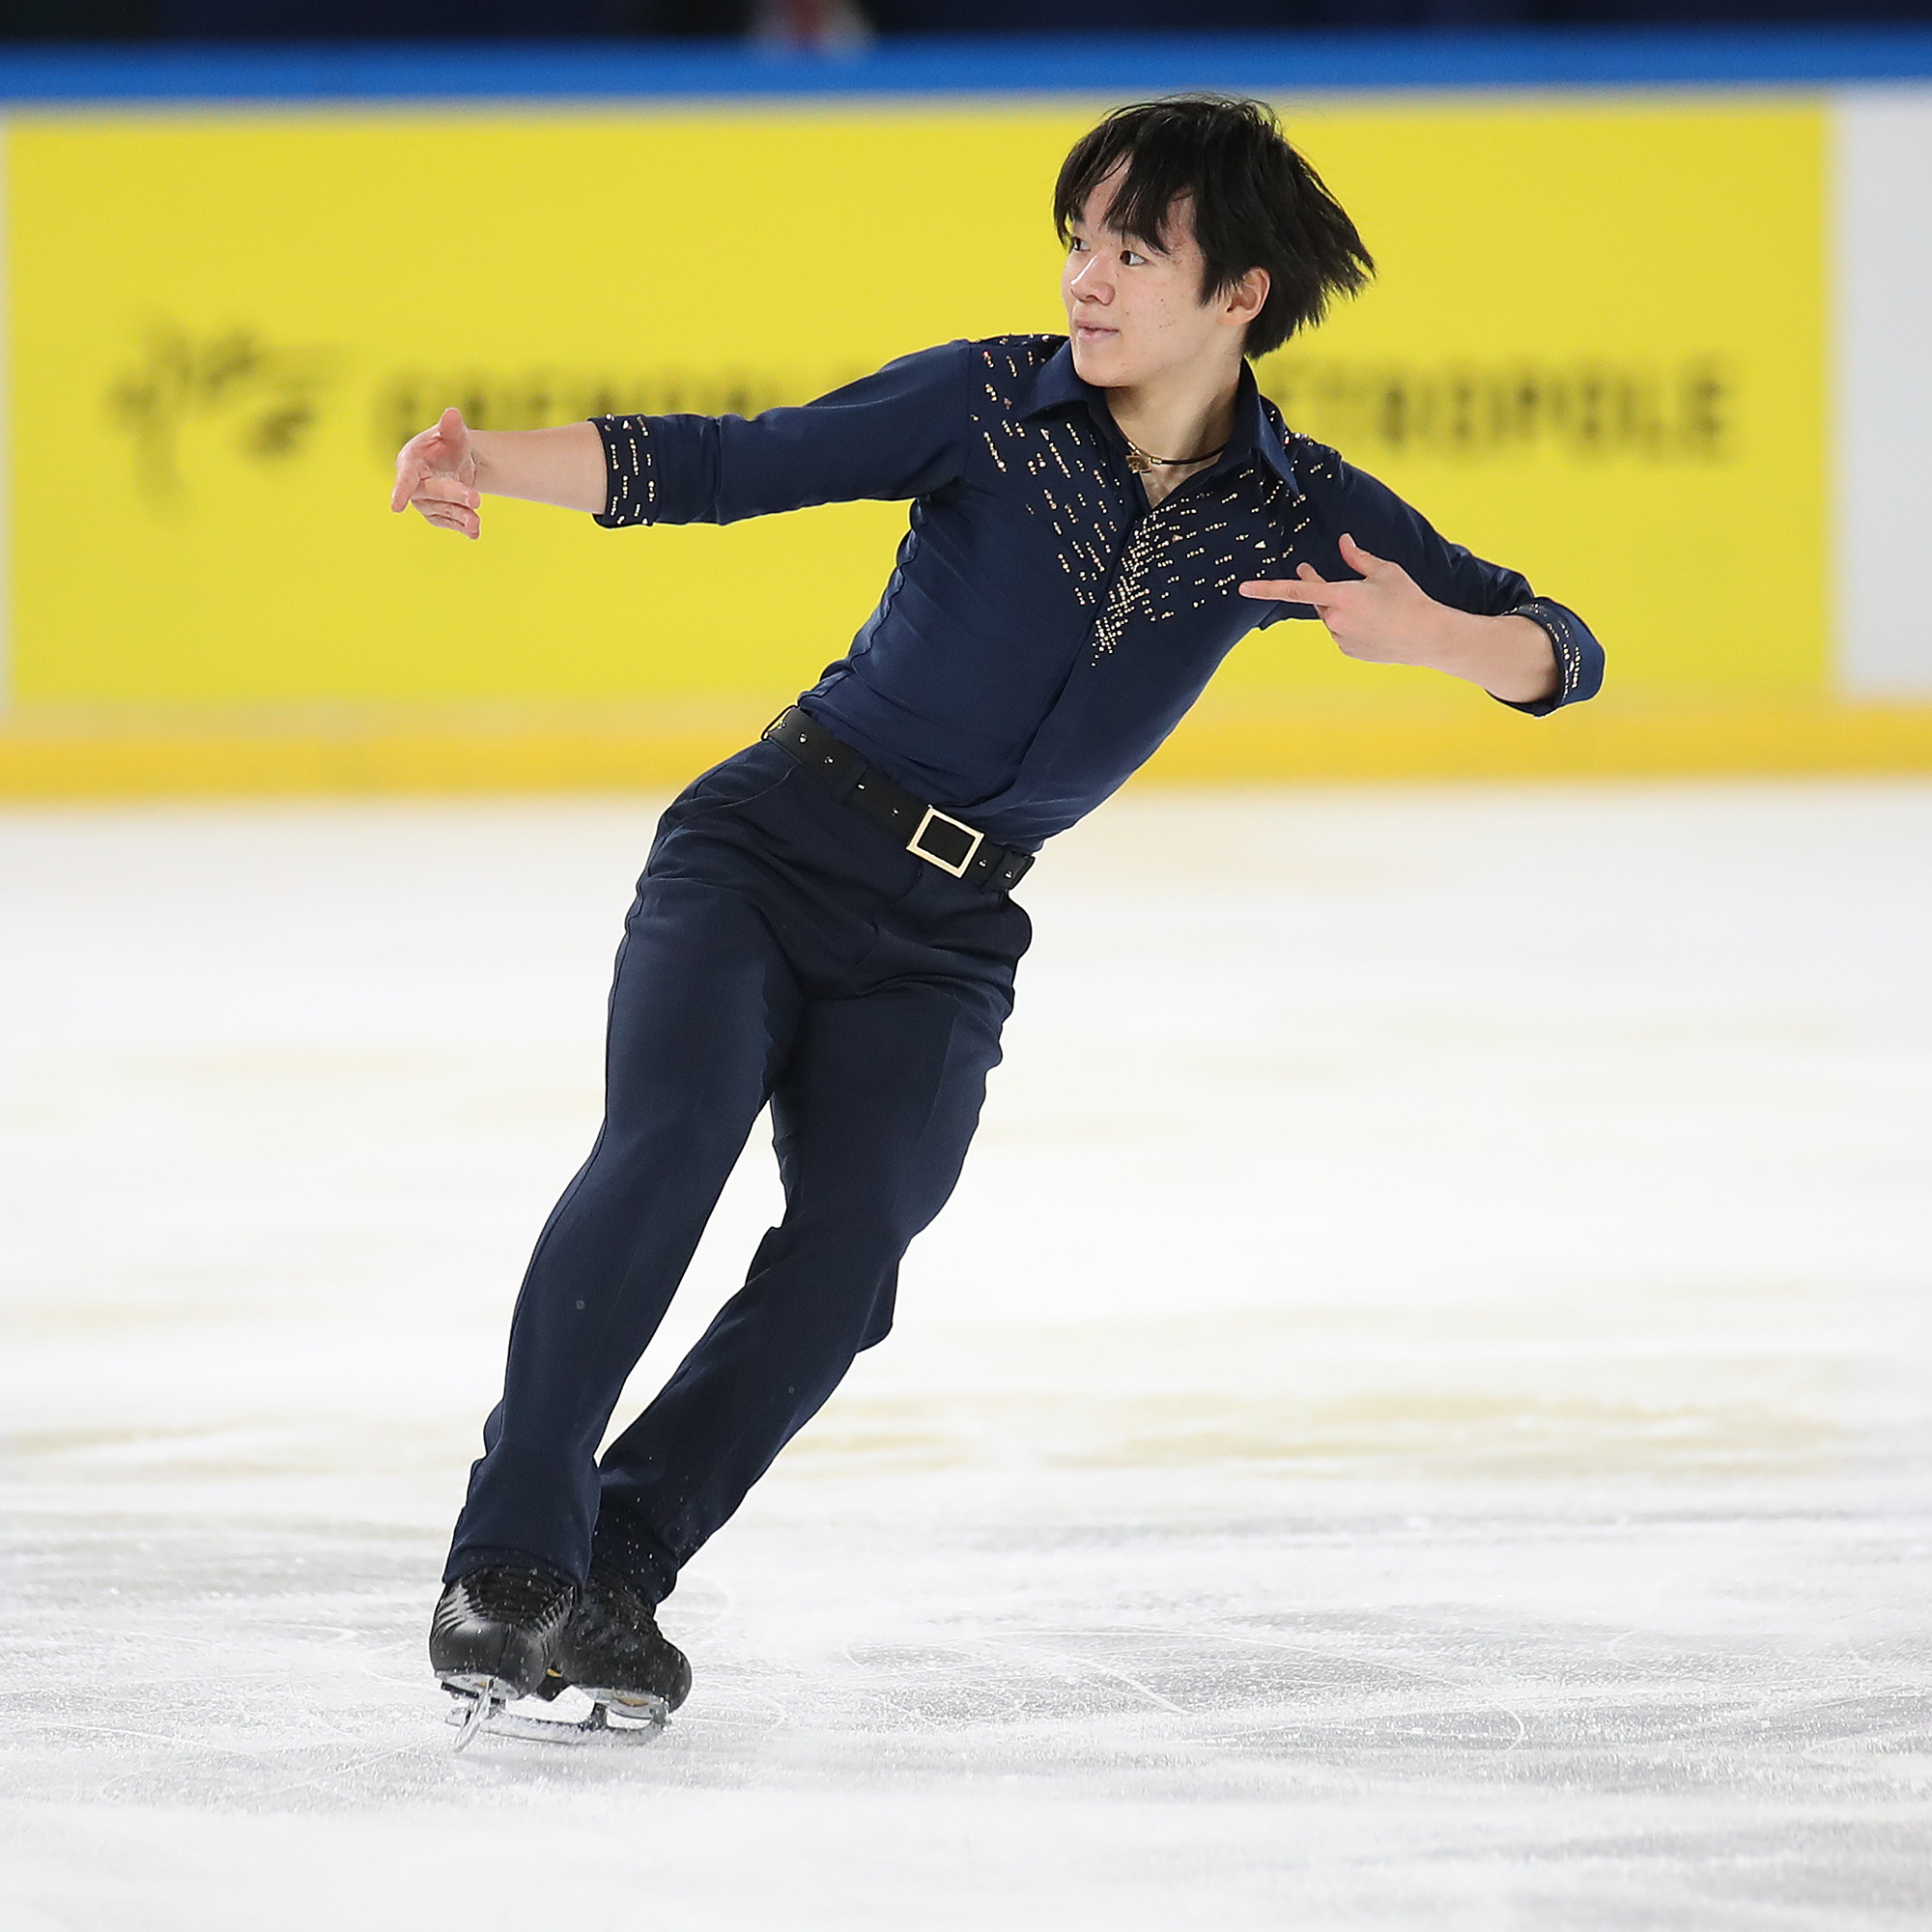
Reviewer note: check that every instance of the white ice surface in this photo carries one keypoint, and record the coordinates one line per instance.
(1417, 1416)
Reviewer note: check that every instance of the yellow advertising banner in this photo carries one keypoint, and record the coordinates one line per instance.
(1596, 352)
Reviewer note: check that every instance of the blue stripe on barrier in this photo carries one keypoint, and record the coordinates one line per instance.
(1114, 65)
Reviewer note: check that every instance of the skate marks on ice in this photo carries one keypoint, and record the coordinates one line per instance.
(1436, 1434)
(185, 1642)
(1639, 1652)
(1333, 1717)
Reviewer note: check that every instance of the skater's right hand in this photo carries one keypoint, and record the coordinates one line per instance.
(437, 471)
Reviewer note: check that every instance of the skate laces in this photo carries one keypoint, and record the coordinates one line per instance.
(522, 1597)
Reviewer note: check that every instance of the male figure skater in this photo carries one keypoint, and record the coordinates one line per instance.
(824, 922)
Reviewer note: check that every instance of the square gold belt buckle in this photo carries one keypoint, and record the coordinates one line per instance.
(974, 839)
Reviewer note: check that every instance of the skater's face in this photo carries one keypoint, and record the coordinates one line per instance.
(1135, 310)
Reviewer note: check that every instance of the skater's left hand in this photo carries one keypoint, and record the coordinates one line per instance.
(1387, 617)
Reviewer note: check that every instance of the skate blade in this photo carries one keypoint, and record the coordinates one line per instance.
(479, 1700)
(611, 1721)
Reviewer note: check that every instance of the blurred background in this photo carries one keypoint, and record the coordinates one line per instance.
(818, 19)
(1646, 328)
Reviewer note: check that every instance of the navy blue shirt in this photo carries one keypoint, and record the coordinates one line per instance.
(1043, 630)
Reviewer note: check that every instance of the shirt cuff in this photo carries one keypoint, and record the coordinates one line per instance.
(631, 491)
(1580, 658)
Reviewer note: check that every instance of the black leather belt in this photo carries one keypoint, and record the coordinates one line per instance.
(926, 832)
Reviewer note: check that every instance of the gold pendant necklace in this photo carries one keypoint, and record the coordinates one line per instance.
(1140, 461)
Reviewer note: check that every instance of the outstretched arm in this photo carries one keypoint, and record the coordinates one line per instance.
(894, 435)
(1387, 617)
(447, 471)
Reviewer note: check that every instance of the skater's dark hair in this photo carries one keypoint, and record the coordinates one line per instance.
(1255, 203)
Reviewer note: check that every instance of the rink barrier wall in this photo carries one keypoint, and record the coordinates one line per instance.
(393, 750)
(1683, 385)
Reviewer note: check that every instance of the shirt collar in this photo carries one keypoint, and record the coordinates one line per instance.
(1056, 384)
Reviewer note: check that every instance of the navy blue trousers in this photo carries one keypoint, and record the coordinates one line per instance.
(781, 947)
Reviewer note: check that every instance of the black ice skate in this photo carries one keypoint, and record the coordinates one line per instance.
(614, 1652)
(493, 1637)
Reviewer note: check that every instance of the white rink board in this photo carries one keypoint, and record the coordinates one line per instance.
(1417, 1416)
(1882, 278)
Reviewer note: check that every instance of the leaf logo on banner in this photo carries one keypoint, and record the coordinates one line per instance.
(260, 401)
